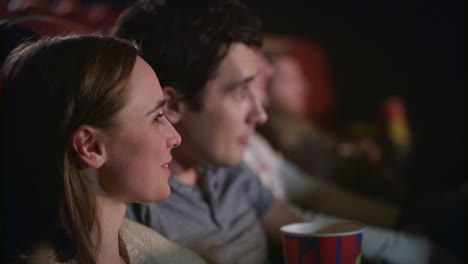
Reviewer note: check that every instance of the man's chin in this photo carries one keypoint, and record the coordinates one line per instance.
(229, 161)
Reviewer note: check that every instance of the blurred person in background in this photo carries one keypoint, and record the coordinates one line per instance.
(309, 190)
(319, 201)
(355, 164)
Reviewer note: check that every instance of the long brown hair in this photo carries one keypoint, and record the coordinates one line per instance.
(52, 87)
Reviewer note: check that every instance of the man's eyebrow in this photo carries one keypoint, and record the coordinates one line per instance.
(236, 83)
(158, 106)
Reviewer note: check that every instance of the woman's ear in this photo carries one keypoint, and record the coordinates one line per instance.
(88, 145)
(174, 107)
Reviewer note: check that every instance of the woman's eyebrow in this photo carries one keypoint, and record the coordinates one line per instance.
(158, 106)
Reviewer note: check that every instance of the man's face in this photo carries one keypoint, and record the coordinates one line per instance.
(219, 132)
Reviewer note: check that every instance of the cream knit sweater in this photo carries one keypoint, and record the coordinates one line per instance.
(141, 245)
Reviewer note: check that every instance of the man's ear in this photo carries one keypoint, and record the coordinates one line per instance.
(89, 147)
(174, 107)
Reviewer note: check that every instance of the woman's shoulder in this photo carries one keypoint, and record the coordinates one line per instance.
(144, 245)
(130, 231)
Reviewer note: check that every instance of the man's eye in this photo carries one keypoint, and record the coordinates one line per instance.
(240, 92)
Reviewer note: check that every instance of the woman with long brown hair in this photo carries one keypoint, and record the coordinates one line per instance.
(84, 135)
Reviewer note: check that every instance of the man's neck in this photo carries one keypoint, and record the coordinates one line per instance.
(185, 174)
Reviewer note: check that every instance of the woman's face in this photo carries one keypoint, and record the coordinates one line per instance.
(138, 150)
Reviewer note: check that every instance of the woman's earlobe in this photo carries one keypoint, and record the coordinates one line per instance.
(174, 107)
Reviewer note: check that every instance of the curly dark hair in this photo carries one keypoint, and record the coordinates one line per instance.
(185, 41)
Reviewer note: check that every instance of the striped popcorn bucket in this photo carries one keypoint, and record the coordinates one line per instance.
(322, 243)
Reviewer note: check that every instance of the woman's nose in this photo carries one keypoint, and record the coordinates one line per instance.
(174, 138)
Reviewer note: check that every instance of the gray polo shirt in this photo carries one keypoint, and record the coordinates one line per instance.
(222, 225)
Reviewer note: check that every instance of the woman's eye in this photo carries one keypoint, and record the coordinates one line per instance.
(159, 118)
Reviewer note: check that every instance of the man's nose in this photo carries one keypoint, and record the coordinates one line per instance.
(257, 115)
